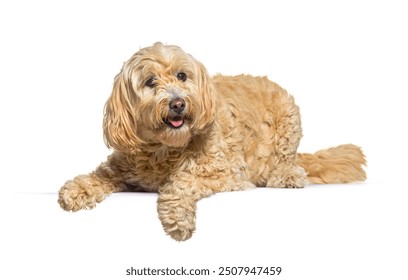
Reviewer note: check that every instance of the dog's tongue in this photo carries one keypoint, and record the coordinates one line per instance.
(177, 123)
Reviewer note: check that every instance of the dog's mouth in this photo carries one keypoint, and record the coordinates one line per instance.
(174, 122)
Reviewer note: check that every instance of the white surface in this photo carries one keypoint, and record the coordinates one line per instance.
(346, 65)
(321, 232)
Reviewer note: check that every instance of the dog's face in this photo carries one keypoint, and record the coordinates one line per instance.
(162, 96)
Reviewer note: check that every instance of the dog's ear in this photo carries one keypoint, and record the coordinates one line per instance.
(206, 92)
(119, 122)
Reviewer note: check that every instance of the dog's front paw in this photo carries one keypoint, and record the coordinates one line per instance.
(180, 234)
(80, 193)
(177, 221)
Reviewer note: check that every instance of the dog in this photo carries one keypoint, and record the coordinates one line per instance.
(179, 132)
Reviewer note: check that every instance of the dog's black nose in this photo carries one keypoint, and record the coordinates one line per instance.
(177, 105)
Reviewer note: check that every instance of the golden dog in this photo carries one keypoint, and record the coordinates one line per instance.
(185, 135)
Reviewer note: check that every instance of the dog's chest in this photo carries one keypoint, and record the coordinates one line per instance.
(151, 171)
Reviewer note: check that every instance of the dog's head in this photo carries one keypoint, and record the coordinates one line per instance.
(162, 96)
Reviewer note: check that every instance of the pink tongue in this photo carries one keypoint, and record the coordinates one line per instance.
(176, 123)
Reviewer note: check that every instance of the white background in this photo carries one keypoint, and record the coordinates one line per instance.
(345, 62)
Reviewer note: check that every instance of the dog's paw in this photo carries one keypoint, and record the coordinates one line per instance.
(177, 221)
(288, 177)
(181, 234)
(80, 193)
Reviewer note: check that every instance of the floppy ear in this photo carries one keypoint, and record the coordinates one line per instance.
(206, 92)
(119, 123)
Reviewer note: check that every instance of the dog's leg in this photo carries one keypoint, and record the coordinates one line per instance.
(178, 199)
(177, 203)
(287, 132)
(84, 191)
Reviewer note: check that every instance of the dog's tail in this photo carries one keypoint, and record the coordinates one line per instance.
(341, 164)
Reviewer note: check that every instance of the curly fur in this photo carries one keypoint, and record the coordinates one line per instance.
(225, 133)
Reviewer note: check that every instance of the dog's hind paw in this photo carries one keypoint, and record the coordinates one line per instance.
(288, 177)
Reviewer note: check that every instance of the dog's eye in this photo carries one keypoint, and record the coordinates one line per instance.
(182, 76)
(151, 83)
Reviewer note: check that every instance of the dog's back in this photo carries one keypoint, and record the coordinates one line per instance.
(261, 121)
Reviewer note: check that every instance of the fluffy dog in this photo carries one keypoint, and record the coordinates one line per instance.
(185, 135)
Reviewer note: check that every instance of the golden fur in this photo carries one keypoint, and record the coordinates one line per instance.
(178, 132)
